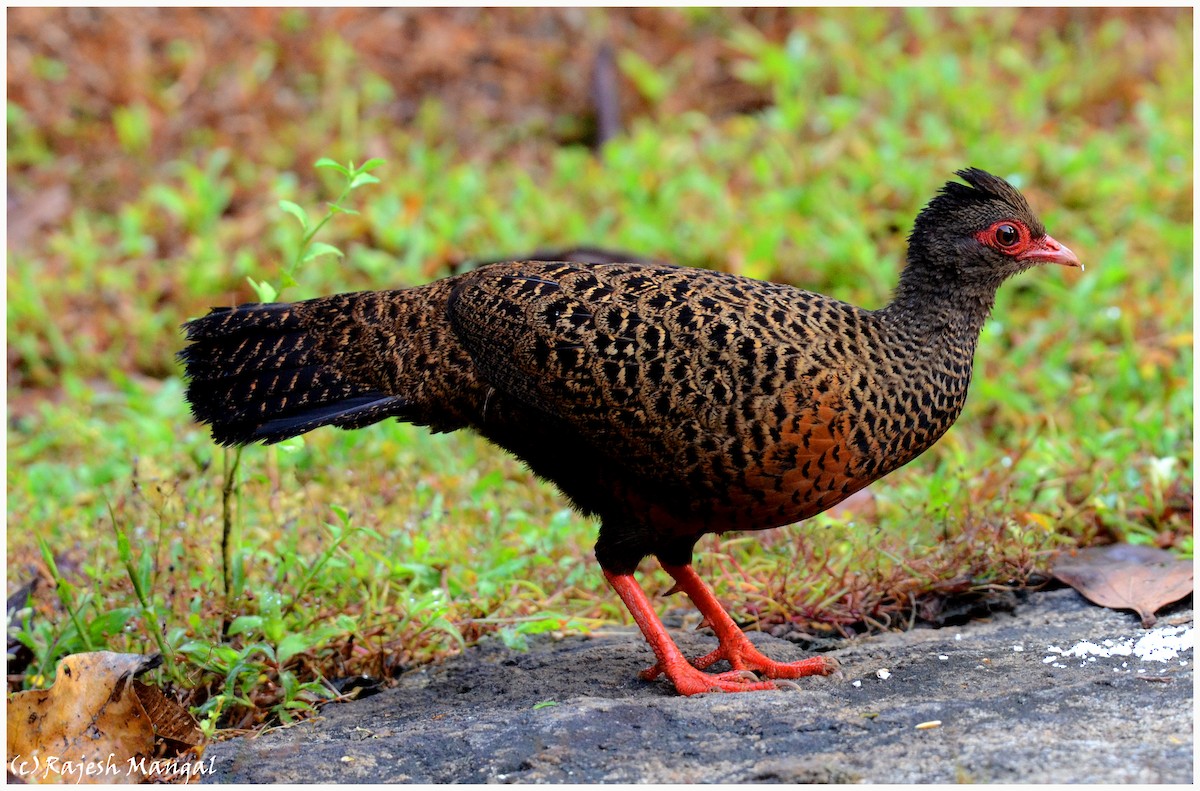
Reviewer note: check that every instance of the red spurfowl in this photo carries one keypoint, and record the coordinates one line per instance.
(668, 402)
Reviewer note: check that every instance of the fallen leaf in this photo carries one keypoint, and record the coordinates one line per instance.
(1127, 577)
(171, 721)
(97, 724)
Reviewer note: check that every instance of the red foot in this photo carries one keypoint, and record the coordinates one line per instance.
(735, 647)
(689, 680)
(743, 657)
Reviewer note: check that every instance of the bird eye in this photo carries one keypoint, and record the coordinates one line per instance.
(1007, 235)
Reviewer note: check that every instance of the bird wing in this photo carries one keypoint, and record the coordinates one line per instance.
(670, 369)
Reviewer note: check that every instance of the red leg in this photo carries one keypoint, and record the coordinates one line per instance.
(734, 645)
(688, 680)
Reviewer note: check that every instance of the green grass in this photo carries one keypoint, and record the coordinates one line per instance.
(375, 550)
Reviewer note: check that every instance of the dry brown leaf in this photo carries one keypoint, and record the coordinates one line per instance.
(1127, 577)
(92, 726)
(171, 721)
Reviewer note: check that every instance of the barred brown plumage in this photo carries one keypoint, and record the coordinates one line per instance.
(667, 401)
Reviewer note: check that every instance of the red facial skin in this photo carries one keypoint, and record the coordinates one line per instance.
(1043, 250)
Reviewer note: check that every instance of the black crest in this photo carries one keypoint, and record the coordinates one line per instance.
(986, 189)
(984, 198)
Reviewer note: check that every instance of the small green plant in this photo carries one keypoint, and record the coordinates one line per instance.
(281, 629)
(73, 636)
(133, 127)
(141, 573)
(308, 250)
(296, 695)
(354, 178)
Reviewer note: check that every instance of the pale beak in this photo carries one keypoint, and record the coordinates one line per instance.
(1048, 250)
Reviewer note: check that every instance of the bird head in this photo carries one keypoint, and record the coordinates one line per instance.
(984, 230)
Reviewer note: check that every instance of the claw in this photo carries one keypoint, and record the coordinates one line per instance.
(690, 681)
(733, 646)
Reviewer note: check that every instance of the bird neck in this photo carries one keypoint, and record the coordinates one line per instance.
(934, 304)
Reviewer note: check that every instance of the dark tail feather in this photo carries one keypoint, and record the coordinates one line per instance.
(267, 372)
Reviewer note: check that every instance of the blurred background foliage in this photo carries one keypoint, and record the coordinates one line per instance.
(147, 151)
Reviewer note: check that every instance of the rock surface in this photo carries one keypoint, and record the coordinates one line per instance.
(1012, 709)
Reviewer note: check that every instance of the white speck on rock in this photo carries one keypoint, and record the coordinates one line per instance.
(1158, 645)
(943, 657)
(883, 674)
(1018, 648)
(856, 684)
